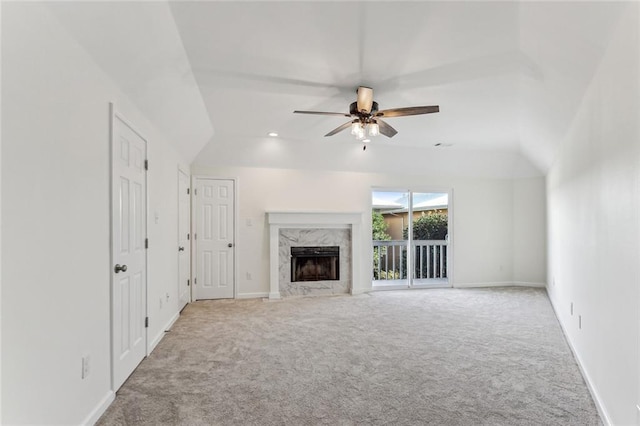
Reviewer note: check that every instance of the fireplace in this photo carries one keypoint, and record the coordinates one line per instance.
(315, 263)
(314, 229)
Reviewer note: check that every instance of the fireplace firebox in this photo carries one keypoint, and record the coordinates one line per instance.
(315, 263)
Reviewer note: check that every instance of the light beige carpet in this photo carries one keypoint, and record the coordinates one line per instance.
(435, 357)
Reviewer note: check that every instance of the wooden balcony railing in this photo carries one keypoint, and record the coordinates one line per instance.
(390, 259)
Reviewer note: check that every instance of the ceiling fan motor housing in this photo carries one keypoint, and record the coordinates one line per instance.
(353, 109)
(364, 114)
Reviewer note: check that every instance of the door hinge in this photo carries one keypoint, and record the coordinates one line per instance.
(187, 191)
(195, 236)
(195, 191)
(146, 164)
(187, 236)
(188, 283)
(146, 243)
(195, 281)
(146, 322)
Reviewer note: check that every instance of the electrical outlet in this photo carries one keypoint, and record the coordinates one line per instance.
(85, 366)
(167, 297)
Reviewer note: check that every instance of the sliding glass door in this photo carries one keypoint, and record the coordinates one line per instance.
(410, 239)
(389, 221)
(430, 238)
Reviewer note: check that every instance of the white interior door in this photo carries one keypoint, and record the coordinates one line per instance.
(129, 232)
(214, 239)
(184, 250)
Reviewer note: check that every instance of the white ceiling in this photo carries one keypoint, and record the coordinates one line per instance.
(138, 45)
(508, 76)
(260, 61)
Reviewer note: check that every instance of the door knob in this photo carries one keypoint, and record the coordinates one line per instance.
(180, 248)
(230, 245)
(119, 268)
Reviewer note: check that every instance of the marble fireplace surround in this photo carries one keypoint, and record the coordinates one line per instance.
(312, 220)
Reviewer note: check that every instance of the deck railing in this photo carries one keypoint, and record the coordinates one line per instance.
(390, 259)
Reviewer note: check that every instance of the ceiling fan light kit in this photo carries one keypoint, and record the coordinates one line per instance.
(366, 118)
(360, 130)
(356, 129)
(373, 129)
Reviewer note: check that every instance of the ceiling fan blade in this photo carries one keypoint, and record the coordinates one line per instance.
(269, 83)
(365, 99)
(339, 129)
(402, 112)
(341, 114)
(385, 129)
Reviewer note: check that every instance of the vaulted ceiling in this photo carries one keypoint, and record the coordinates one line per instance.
(218, 76)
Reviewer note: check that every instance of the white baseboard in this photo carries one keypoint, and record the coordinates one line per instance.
(528, 284)
(102, 406)
(253, 295)
(93, 417)
(172, 321)
(604, 416)
(275, 296)
(499, 284)
(155, 341)
(160, 335)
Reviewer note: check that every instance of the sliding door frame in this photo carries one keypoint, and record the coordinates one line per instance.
(410, 258)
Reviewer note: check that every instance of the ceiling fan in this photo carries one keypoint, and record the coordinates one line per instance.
(366, 119)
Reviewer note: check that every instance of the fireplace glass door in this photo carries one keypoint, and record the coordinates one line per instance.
(315, 263)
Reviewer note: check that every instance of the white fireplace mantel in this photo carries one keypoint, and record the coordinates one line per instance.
(281, 220)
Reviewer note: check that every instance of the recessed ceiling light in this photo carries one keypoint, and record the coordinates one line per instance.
(366, 140)
(273, 134)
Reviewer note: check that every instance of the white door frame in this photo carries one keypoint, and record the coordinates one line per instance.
(194, 224)
(113, 114)
(450, 215)
(188, 248)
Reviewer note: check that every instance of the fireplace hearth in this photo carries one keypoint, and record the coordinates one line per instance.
(315, 263)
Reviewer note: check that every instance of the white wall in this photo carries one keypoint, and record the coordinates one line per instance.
(529, 231)
(483, 228)
(162, 303)
(55, 211)
(594, 236)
